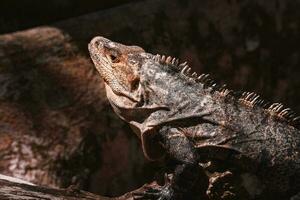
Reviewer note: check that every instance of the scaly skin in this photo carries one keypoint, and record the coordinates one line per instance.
(193, 121)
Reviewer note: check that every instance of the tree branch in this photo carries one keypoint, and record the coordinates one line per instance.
(16, 189)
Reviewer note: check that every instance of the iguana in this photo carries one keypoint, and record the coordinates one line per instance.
(194, 121)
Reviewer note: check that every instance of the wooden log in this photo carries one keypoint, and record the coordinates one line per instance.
(12, 188)
(16, 189)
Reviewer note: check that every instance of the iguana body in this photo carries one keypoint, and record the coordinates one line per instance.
(192, 120)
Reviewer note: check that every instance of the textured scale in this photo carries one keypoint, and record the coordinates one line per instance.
(247, 98)
(162, 98)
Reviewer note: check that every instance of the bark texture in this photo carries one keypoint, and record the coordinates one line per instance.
(17, 191)
(56, 127)
(14, 190)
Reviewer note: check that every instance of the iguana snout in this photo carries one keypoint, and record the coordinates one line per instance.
(113, 62)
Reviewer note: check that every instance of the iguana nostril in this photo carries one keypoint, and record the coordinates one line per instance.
(98, 44)
(96, 41)
(99, 41)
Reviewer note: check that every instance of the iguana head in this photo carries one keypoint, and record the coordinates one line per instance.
(116, 66)
(125, 70)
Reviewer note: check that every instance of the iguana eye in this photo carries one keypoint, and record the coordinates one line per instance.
(113, 58)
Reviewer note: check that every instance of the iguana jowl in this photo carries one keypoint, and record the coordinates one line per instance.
(192, 119)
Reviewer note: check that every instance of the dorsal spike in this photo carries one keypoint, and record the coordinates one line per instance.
(188, 71)
(225, 92)
(207, 81)
(157, 58)
(222, 87)
(260, 102)
(168, 60)
(272, 106)
(279, 107)
(287, 110)
(248, 95)
(163, 59)
(182, 64)
(173, 62)
(194, 75)
(202, 77)
(184, 69)
(256, 98)
(296, 119)
(251, 96)
(250, 99)
(214, 86)
(283, 113)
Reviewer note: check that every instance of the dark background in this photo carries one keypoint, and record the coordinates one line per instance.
(17, 15)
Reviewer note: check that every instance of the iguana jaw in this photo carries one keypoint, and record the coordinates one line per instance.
(111, 61)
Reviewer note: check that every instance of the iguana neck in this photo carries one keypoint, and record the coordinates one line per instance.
(166, 99)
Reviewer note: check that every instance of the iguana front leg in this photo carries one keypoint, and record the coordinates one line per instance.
(187, 170)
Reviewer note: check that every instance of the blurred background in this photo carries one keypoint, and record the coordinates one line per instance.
(56, 126)
(18, 15)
